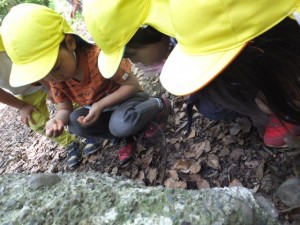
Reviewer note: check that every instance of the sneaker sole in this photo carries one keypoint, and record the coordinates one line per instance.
(74, 164)
(91, 152)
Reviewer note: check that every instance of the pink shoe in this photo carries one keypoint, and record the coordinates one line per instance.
(153, 129)
(126, 150)
(277, 130)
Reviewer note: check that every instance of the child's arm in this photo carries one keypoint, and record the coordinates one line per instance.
(55, 126)
(129, 86)
(25, 108)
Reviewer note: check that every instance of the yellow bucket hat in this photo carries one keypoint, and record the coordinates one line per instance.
(112, 24)
(31, 35)
(209, 33)
(2, 49)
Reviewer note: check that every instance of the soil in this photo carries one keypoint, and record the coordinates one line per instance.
(212, 154)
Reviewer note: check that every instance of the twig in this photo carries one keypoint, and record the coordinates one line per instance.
(289, 209)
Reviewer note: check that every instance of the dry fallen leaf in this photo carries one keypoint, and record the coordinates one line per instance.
(200, 182)
(260, 170)
(152, 174)
(182, 165)
(252, 164)
(192, 134)
(236, 153)
(235, 183)
(195, 167)
(169, 183)
(235, 129)
(140, 176)
(173, 174)
(224, 152)
(213, 161)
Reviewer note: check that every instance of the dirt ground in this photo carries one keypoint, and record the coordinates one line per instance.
(213, 154)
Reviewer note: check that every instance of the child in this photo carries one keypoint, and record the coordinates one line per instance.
(209, 40)
(31, 101)
(112, 108)
(76, 6)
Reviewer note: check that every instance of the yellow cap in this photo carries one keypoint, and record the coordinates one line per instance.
(112, 24)
(209, 33)
(2, 49)
(31, 35)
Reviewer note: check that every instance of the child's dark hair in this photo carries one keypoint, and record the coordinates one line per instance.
(145, 36)
(269, 67)
(79, 41)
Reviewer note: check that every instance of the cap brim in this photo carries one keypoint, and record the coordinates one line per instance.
(108, 64)
(184, 74)
(23, 74)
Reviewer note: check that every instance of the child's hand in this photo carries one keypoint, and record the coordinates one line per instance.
(90, 118)
(26, 114)
(54, 128)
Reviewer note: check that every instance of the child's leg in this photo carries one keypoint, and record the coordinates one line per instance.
(210, 110)
(38, 99)
(98, 130)
(133, 115)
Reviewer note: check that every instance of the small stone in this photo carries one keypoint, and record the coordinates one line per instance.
(289, 192)
(43, 180)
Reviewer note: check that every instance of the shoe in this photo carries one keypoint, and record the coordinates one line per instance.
(74, 154)
(155, 127)
(126, 150)
(277, 130)
(154, 130)
(91, 147)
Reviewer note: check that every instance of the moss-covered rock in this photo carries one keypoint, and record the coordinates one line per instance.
(100, 199)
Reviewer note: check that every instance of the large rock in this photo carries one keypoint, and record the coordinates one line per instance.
(94, 198)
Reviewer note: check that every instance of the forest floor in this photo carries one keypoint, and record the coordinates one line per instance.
(213, 154)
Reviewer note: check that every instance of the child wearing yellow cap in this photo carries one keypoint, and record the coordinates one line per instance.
(219, 100)
(111, 108)
(30, 100)
(210, 35)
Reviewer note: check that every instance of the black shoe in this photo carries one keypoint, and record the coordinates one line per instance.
(74, 154)
(91, 147)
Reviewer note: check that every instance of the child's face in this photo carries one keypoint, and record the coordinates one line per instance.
(149, 54)
(65, 67)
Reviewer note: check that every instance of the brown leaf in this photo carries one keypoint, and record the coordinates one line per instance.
(140, 176)
(202, 184)
(260, 170)
(194, 167)
(169, 183)
(245, 124)
(236, 154)
(152, 174)
(235, 183)
(93, 158)
(229, 140)
(182, 165)
(213, 161)
(235, 129)
(224, 152)
(252, 164)
(192, 134)
(173, 174)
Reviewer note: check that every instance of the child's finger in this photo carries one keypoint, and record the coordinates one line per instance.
(31, 120)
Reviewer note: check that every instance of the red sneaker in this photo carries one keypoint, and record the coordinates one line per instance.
(126, 149)
(277, 130)
(154, 128)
